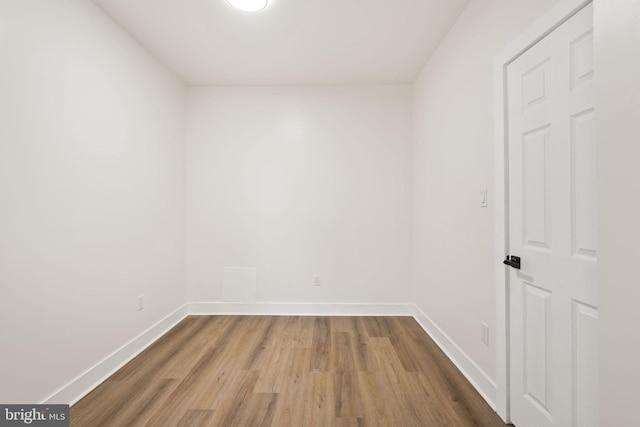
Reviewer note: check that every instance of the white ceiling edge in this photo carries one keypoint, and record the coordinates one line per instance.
(291, 42)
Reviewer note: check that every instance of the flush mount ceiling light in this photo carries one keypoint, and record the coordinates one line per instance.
(248, 5)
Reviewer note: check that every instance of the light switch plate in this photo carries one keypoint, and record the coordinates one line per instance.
(483, 198)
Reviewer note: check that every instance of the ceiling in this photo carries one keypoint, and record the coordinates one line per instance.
(291, 42)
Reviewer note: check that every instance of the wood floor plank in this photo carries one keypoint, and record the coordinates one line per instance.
(347, 398)
(260, 343)
(143, 403)
(321, 345)
(360, 344)
(289, 371)
(462, 391)
(189, 391)
(163, 350)
(297, 331)
(91, 408)
(257, 410)
(401, 341)
(376, 327)
(283, 367)
(197, 418)
(375, 399)
(293, 406)
(390, 371)
(229, 403)
(188, 353)
(322, 408)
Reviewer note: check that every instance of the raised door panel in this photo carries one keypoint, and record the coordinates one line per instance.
(535, 191)
(585, 365)
(583, 185)
(582, 59)
(536, 351)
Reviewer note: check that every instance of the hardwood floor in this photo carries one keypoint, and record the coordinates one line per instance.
(288, 371)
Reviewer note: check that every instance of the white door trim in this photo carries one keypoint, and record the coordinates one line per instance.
(549, 22)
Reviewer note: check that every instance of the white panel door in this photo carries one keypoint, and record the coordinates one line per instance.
(553, 317)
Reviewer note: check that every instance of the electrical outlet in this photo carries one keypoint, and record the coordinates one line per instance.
(140, 302)
(484, 333)
(316, 280)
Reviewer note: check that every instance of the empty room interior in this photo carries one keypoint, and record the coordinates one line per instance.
(346, 171)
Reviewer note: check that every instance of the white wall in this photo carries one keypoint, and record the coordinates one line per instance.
(617, 43)
(293, 181)
(299, 181)
(91, 193)
(452, 160)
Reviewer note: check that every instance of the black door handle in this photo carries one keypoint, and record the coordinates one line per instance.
(512, 261)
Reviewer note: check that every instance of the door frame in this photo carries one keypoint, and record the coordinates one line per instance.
(545, 25)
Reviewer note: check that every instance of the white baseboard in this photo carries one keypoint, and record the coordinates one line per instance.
(77, 388)
(86, 382)
(476, 376)
(300, 309)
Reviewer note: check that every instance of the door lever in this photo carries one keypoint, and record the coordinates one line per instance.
(513, 262)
